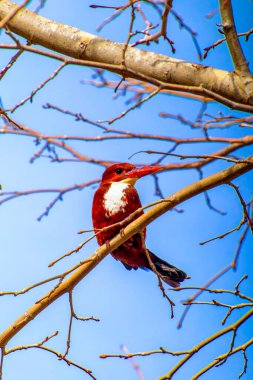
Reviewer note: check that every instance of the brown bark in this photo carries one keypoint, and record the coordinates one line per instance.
(168, 73)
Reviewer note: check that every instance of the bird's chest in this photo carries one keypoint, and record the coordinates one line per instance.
(115, 199)
(112, 204)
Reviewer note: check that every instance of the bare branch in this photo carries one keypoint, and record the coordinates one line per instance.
(202, 80)
(138, 225)
(193, 34)
(147, 353)
(217, 43)
(72, 316)
(221, 358)
(54, 352)
(244, 207)
(160, 284)
(43, 84)
(232, 328)
(228, 25)
(136, 105)
(8, 196)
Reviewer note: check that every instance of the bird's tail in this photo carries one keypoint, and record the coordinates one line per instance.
(170, 274)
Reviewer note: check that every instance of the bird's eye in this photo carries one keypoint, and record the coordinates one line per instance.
(118, 171)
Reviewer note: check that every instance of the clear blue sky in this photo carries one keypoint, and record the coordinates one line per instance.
(129, 304)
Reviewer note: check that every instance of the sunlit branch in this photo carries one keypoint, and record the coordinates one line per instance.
(202, 80)
(160, 284)
(229, 28)
(244, 206)
(13, 12)
(187, 355)
(205, 287)
(73, 315)
(50, 350)
(147, 353)
(134, 227)
(220, 154)
(143, 75)
(163, 30)
(220, 41)
(232, 328)
(221, 358)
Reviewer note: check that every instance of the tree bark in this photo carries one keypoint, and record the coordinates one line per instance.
(166, 72)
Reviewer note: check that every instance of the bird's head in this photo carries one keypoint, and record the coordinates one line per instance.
(127, 173)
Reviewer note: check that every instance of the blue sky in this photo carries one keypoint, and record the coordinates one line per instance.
(129, 304)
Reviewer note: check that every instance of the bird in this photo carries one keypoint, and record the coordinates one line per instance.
(114, 200)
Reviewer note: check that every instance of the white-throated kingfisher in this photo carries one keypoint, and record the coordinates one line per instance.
(115, 199)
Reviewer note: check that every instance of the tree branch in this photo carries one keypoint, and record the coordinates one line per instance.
(232, 328)
(138, 225)
(228, 25)
(221, 358)
(162, 71)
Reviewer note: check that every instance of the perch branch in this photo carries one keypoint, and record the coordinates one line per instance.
(137, 225)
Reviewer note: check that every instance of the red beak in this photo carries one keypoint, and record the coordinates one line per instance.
(141, 172)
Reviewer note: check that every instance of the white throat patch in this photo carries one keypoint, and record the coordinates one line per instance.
(114, 199)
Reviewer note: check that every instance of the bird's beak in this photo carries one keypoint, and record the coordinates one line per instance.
(135, 174)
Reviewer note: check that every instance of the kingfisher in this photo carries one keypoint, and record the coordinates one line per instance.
(114, 200)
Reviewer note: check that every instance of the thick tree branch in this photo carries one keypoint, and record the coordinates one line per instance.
(165, 72)
(228, 24)
(139, 224)
(13, 12)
